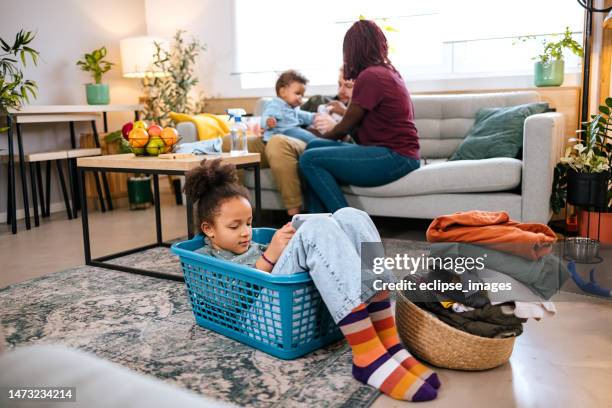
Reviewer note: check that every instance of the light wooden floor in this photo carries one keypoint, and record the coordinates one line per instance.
(58, 243)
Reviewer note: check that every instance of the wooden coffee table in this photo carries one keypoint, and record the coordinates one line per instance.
(129, 163)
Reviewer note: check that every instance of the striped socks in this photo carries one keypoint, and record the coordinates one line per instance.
(373, 365)
(384, 324)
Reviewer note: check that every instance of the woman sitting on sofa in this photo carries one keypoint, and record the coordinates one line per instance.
(388, 143)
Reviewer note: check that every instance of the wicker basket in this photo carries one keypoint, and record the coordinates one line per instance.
(432, 340)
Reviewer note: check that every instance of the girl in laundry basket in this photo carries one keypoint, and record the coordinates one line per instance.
(331, 258)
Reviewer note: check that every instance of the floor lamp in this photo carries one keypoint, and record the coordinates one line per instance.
(586, 63)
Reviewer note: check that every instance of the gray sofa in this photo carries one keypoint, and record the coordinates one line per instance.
(520, 187)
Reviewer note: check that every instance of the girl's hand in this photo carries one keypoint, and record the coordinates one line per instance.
(279, 241)
(271, 122)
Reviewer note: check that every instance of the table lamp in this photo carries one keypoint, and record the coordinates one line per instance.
(138, 55)
(138, 61)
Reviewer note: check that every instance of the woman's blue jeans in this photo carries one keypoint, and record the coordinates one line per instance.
(326, 164)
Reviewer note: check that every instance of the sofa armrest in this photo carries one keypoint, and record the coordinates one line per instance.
(543, 142)
(260, 105)
(99, 383)
(187, 131)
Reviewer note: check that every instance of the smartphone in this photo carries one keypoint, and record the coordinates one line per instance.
(299, 219)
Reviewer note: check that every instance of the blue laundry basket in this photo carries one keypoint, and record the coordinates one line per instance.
(282, 315)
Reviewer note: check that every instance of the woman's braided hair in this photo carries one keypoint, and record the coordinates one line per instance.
(365, 45)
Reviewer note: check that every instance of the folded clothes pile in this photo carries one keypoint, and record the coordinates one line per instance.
(505, 270)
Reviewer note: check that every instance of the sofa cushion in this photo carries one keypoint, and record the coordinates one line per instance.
(497, 132)
(462, 176)
(268, 183)
(443, 121)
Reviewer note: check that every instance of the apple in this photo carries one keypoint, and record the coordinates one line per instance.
(126, 129)
(169, 136)
(140, 124)
(154, 130)
(155, 146)
(138, 151)
(138, 137)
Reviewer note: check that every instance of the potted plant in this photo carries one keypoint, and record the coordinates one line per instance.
(97, 93)
(549, 66)
(14, 89)
(171, 93)
(582, 177)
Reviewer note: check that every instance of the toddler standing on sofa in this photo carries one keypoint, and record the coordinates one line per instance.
(282, 115)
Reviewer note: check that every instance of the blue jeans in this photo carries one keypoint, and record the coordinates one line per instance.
(330, 250)
(299, 133)
(326, 164)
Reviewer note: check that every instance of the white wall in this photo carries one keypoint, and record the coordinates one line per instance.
(66, 29)
(211, 21)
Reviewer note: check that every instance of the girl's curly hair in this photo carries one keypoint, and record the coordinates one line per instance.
(209, 185)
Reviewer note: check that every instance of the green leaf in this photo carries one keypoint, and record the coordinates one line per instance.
(609, 102)
(113, 136)
(5, 46)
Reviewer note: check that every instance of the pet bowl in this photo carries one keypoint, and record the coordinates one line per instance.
(581, 249)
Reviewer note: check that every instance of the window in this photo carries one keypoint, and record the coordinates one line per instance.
(434, 39)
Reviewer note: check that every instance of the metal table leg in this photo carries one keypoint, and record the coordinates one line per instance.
(22, 171)
(158, 226)
(102, 261)
(48, 190)
(60, 174)
(34, 195)
(74, 188)
(109, 200)
(72, 135)
(190, 225)
(39, 183)
(84, 215)
(11, 210)
(257, 195)
(9, 182)
(72, 177)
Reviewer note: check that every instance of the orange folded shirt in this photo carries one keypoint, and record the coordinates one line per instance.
(495, 230)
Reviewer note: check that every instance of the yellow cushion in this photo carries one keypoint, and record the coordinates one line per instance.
(208, 126)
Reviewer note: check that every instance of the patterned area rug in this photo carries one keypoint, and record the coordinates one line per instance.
(146, 324)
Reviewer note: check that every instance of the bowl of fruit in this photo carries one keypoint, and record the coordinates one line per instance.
(149, 140)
